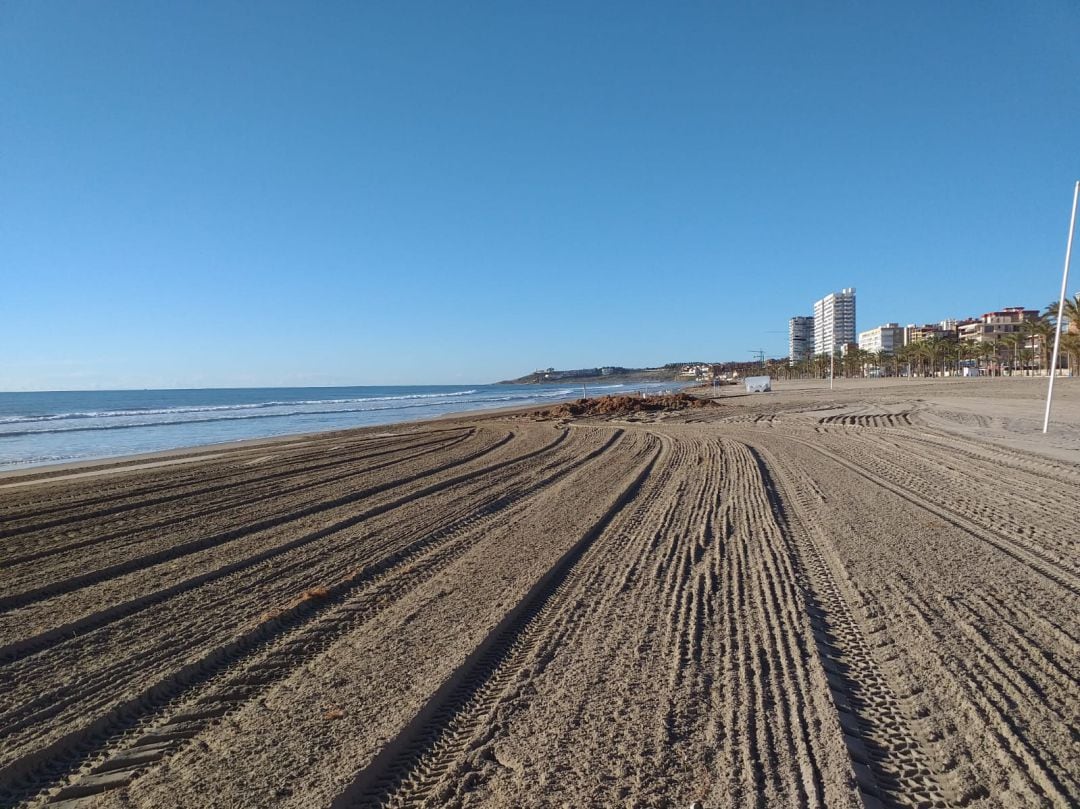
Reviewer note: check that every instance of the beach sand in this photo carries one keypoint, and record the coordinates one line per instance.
(865, 596)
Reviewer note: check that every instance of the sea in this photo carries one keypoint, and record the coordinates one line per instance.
(59, 427)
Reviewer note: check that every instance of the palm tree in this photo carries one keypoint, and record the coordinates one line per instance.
(1015, 341)
(910, 355)
(986, 350)
(937, 350)
(902, 356)
(949, 351)
(866, 359)
(855, 362)
(1027, 357)
(1042, 329)
(872, 360)
(1070, 346)
(965, 350)
(883, 359)
(848, 363)
(897, 357)
(914, 352)
(924, 354)
(1071, 312)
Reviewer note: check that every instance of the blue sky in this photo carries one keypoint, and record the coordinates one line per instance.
(388, 193)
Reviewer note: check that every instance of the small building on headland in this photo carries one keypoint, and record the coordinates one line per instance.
(700, 372)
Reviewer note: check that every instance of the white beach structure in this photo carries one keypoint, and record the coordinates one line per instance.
(758, 384)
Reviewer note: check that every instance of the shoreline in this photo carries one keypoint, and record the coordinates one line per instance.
(188, 454)
(112, 464)
(169, 453)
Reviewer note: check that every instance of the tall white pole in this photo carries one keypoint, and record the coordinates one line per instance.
(1061, 308)
(832, 363)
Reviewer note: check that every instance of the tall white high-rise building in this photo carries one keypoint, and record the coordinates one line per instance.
(834, 321)
(800, 339)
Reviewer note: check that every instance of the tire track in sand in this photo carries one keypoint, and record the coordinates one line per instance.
(411, 765)
(244, 493)
(157, 650)
(1031, 515)
(25, 647)
(1024, 553)
(770, 657)
(660, 560)
(995, 691)
(192, 546)
(164, 716)
(888, 761)
(43, 512)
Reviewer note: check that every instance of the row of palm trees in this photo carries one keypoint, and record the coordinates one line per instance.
(1025, 350)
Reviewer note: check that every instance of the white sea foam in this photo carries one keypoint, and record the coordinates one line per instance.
(168, 411)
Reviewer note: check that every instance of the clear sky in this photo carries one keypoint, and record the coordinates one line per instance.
(258, 193)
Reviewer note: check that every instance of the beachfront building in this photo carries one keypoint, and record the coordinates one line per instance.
(993, 326)
(917, 334)
(959, 325)
(800, 339)
(887, 338)
(834, 321)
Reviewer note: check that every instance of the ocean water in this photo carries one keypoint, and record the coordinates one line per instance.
(58, 427)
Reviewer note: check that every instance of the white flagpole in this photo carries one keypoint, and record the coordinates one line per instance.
(1061, 308)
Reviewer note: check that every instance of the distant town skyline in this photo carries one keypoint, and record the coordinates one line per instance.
(808, 336)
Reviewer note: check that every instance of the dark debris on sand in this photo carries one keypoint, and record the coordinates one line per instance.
(624, 406)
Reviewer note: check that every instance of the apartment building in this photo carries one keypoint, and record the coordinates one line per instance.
(888, 338)
(992, 326)
(834, 321)
(917, 334)
(800, 339)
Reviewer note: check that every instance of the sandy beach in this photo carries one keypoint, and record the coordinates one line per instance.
(859, 597)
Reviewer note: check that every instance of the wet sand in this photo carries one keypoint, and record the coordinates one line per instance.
(808, 598)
